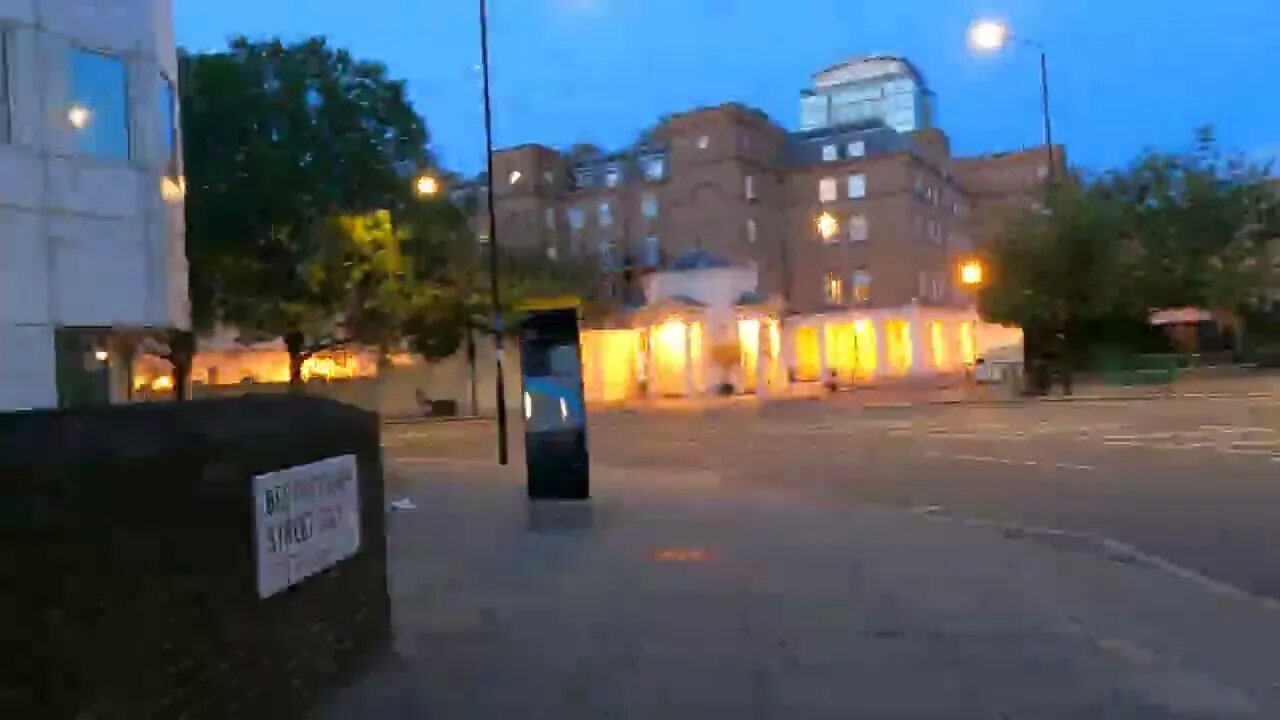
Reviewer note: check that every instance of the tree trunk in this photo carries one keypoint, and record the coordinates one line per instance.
(182, 351)
(294, 342)
(182, 379)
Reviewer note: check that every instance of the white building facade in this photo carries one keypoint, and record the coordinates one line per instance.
(92, 241)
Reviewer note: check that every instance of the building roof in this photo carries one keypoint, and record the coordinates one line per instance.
(911, 67)
(804, 147)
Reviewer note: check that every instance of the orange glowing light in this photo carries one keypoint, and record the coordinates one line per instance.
(681, 555)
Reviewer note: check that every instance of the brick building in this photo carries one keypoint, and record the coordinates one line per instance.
(846, 214)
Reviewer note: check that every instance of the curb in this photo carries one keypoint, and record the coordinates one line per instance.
(995, 402)
(426, 420)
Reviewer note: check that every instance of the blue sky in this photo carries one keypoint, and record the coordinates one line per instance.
(1124, 74)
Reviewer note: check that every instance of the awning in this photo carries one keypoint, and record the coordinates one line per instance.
(1179, 316)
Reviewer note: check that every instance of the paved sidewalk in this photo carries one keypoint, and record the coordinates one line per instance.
(673, 596)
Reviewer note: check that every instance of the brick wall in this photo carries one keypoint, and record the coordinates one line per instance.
(128, 563)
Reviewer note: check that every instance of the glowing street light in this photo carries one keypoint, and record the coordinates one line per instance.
(971, 273)
(828, 226)
(992, 36)
(79, 116)
(988, 35)
(426, 186)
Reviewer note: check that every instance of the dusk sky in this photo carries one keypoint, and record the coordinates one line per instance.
(1124, 74)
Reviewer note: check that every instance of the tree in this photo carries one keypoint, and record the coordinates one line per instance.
(1203, 219)
(280, 141)
(1063, 265)
(1168, 230)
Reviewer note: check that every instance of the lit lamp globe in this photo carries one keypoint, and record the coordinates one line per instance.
(988, 35)
(427, 186)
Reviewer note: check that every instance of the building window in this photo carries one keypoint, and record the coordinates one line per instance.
(651, 251)
(827, 190)
(861, 282)
(549, 217)
(749, 187)
(576, 219)
(606, 254)
(552, 254)
(548, 177)
(654, 167)
(923, 291)
(649, 205)
(828, 153)
(857, 228)
(857, 149)
(935, 232)
(833, 288)
(169, 125)
(605, 214)
(612, 176)
(751, 230)
(98, 105)
(857, 186)
(6, 122)
(704, 142)
(583, 177)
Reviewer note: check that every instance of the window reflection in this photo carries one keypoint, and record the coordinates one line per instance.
(98, 106)
(169, 126)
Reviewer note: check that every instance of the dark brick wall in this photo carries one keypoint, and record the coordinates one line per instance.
(127, 566)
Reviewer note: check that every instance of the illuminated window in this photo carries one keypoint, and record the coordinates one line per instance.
(833, 287)
(605, 214)
(750, 187)
(827, 190)
(856, 149)
(704, 142)
(612, 176)
(549, 216)
(97, 106)
(857, 228)
(576, 218)
(828, 153)
(857, 186)
(751, 230)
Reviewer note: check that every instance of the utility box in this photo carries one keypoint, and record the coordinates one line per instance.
(555, 420)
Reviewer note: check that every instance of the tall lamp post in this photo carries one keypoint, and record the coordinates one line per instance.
(993, 35)
(498, 329)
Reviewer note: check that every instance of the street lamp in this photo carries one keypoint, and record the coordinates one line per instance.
(79, 116)
(494, 298)
(426, 186)
(828, 226)
(992, 36)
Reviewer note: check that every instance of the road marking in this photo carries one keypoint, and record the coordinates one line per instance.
(1008, 461)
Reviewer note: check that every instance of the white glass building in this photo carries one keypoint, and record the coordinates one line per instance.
(882, 87)
(92, 253)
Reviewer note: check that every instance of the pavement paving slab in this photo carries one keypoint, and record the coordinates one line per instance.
(675, 594)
